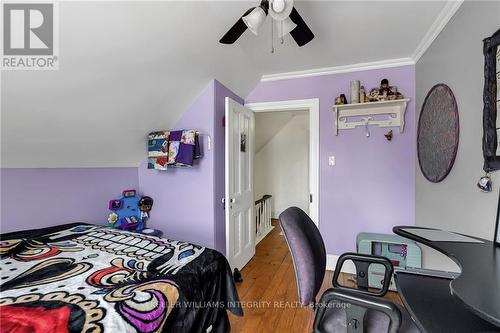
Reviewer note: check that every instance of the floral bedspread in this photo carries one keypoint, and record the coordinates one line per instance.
(89, 278)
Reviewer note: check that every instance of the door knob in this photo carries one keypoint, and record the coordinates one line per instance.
(232, 200)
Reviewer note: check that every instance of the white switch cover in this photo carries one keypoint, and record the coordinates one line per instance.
(331, 160)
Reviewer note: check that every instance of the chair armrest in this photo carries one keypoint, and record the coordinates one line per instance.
(355, 305)
(362, 262)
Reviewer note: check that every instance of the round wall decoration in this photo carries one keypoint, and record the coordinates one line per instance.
(438, 133)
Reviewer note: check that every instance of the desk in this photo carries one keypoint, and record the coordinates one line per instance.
(468, 303)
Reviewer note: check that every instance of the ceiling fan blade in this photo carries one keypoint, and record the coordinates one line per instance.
(236, 30)
(301, 34)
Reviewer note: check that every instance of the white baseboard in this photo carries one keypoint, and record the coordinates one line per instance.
(331, 262)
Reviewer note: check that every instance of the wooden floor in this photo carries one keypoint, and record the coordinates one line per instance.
(269, 292)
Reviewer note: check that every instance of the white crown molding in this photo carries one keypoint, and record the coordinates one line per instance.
(441, 21)
(435, 29)
(339, 69)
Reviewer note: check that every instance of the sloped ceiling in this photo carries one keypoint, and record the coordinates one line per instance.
(268, 124)
(127, 68)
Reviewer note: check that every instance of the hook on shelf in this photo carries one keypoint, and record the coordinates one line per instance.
(367, 122)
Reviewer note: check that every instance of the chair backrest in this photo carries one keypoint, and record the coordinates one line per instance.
(308, 252)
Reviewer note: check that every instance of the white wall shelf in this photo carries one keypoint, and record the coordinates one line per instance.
(371, 113)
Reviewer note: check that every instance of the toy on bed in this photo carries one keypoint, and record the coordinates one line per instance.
(130, 212)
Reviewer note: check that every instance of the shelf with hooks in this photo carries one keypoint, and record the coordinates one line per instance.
(371, 113)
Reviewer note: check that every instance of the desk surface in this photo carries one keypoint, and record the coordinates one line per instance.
(434, 309)
(478, 285)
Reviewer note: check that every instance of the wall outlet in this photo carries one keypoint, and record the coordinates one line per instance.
(331, 160)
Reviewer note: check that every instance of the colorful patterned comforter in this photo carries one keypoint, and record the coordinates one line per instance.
(88, 278)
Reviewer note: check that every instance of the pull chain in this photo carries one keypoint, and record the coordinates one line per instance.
(281, 33)
(272, 36)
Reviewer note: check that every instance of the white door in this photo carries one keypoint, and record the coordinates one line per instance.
(239, 199)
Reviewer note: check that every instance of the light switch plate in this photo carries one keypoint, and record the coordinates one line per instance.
(331, 160)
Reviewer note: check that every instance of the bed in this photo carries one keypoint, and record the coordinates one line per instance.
(90, 278)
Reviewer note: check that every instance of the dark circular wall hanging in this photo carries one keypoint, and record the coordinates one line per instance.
(438, 133)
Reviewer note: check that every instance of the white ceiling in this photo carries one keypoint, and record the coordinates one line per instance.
(268, 124)
(127, 68)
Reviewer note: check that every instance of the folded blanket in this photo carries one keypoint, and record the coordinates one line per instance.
(158, 150)
(181, 150)
(158, 144)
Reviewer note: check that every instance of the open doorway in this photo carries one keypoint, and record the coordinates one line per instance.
(281, 176)
(247, 223)
(286, 160)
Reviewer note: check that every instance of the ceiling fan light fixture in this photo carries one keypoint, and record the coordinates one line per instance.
(278, 6)
(290, 22)
(280, 9)
(255, 19)
(285, 27)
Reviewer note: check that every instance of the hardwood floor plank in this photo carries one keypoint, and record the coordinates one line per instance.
(269, 291)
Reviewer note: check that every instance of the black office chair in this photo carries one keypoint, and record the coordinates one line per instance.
(340, 309)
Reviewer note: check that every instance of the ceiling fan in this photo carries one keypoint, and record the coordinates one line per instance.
(282, 12)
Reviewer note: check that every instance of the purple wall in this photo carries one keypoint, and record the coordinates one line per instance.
(188, 202)
(372, 186)
(370, 189)
(183, 198)
(35, 198)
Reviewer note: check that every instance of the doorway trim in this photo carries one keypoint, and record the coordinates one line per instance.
(312, 105)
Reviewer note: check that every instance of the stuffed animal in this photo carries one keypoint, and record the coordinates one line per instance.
(130, 212)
